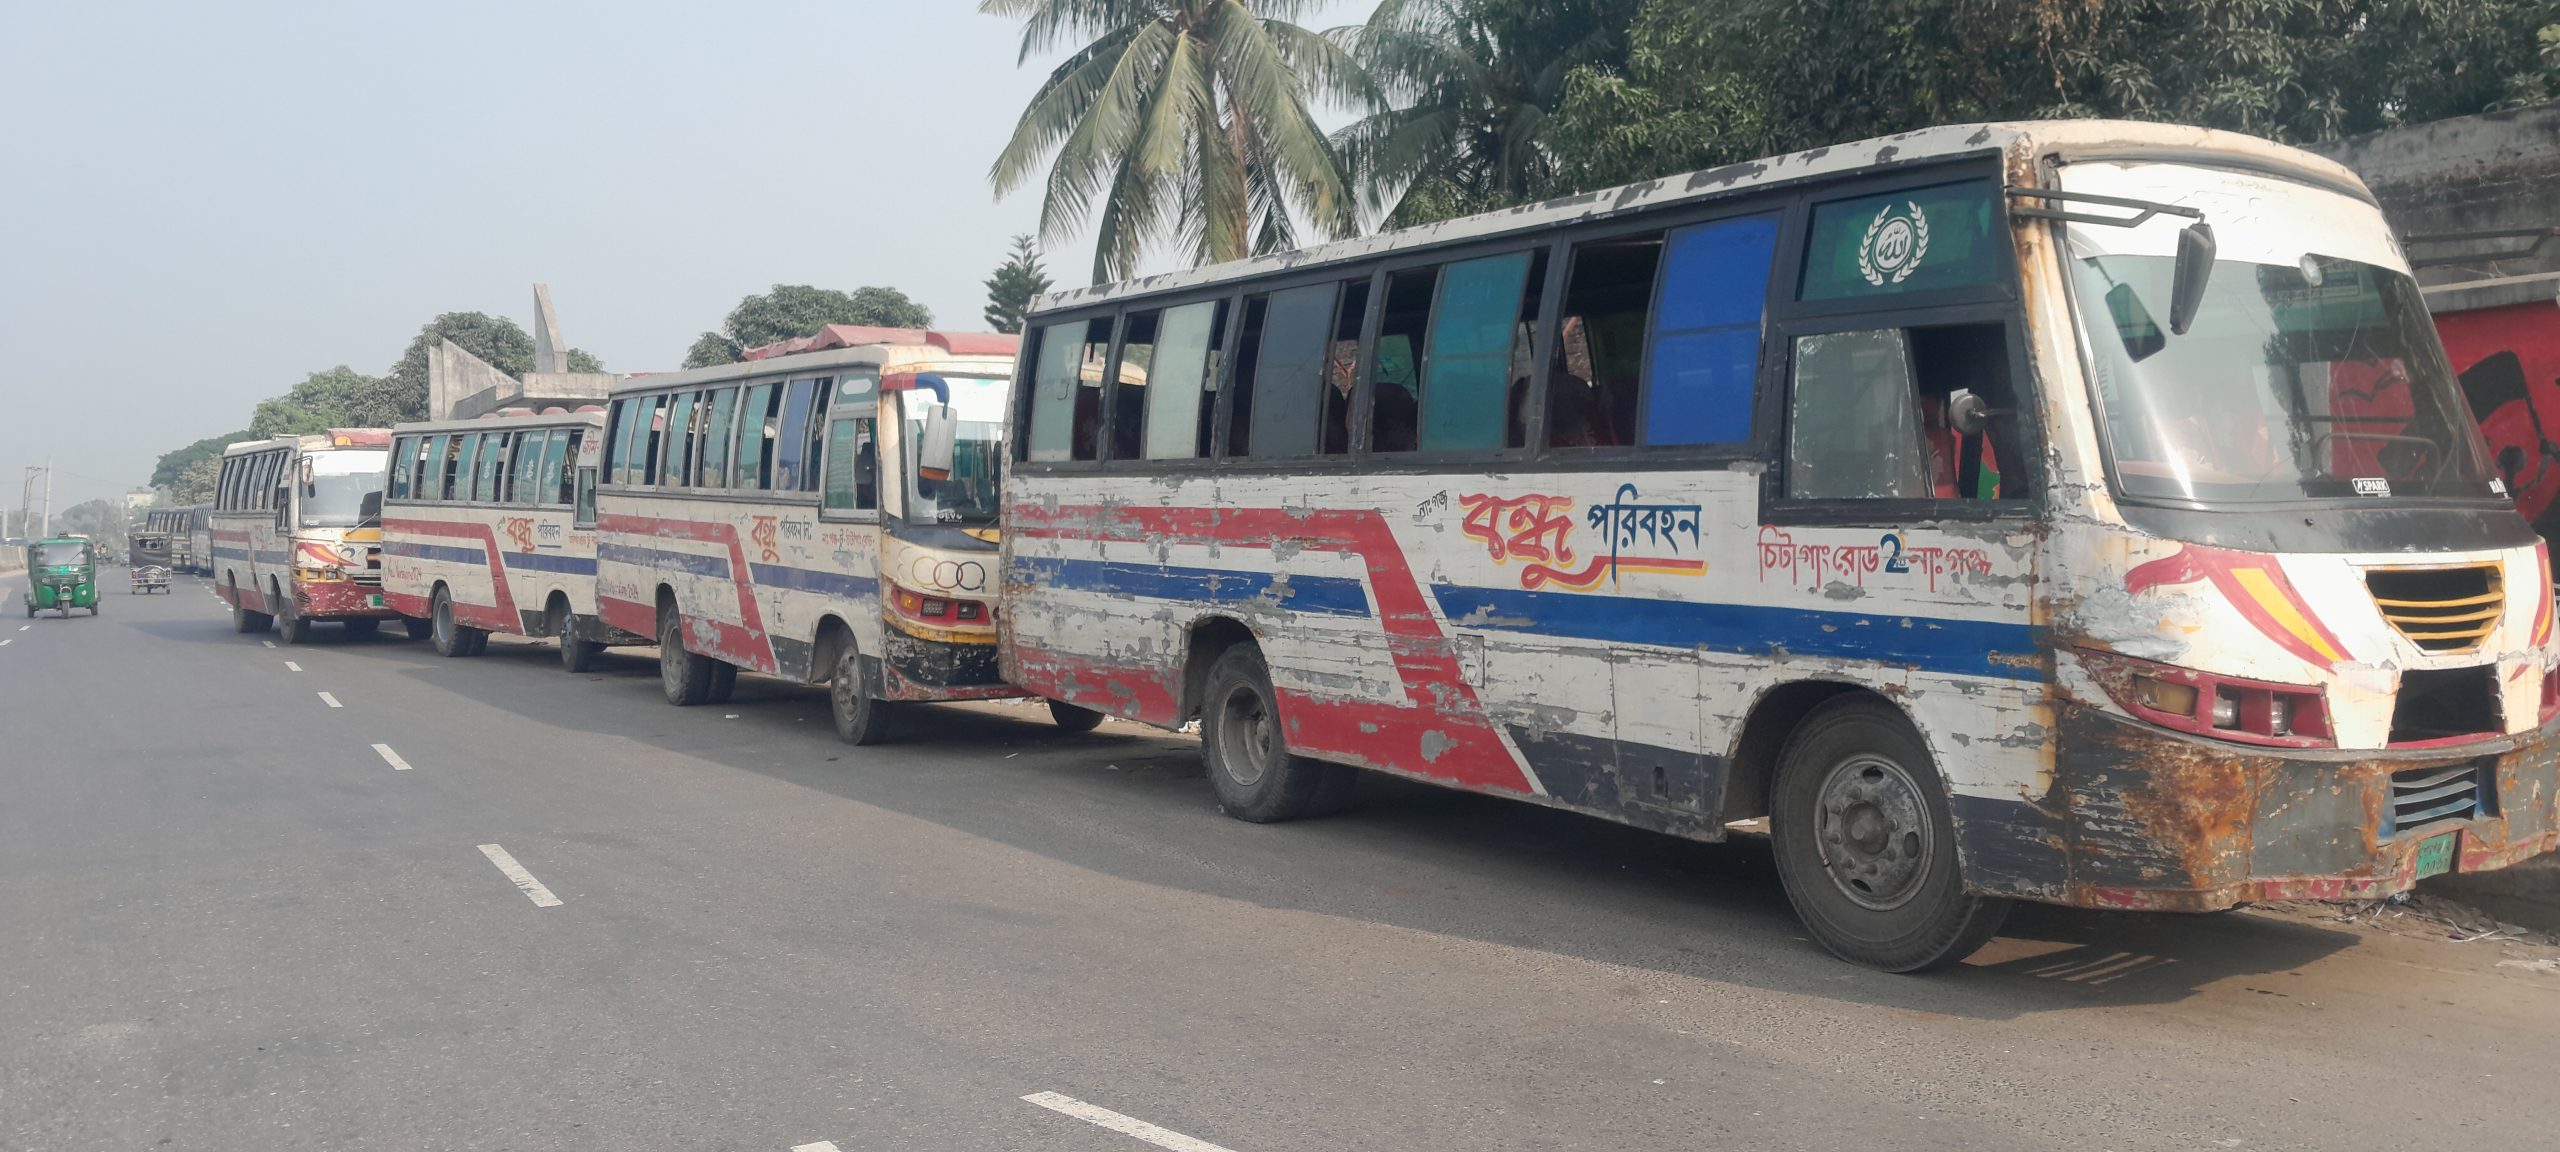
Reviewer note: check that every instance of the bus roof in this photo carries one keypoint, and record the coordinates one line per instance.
(857, 335)
(917, 357)
(2020, 140)
(585, 415)
(316, 441)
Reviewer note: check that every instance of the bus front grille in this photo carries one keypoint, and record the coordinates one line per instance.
(2444, 794)
(2440, 609)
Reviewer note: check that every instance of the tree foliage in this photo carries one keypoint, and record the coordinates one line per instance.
(194, 481)
(1180, 122)
(495, 339)
(581, 360)
(1015, 282)
(791, 311)
(338, 398)
(165, 474)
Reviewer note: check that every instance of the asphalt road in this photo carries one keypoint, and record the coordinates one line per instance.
(227, 921)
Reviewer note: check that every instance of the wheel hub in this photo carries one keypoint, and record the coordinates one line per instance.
(1876, 840)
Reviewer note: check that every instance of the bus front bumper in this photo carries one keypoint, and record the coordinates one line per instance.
(339, 600)
(2141, 817)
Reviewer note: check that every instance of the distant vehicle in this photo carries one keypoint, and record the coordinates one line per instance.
(489, 526)
(2080, 512)
(824, 513)
(200, 539)
(62, 574)
(151, 562)
(290, 544)
(172, 524)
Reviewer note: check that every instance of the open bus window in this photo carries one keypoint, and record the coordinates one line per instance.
(458, 475)
(1395, 383)
(1867, 416)
(749, 459)
(1467, 393)
(1597, 368)
(1128, 391)
(1183, 380)
(1342, 369)
(719, 431)
(853, 466)
(1066, 391)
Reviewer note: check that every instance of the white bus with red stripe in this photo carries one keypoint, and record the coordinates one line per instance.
(824, 512)
(290, 545)
(488, 525)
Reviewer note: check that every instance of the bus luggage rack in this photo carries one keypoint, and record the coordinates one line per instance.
(2445, 794)
(2440, 609)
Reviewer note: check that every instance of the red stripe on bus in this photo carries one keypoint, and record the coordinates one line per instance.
(1441, 731)
(747, 647)
(501, 617)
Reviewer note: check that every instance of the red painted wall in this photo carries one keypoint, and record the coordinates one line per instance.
(2509, 361)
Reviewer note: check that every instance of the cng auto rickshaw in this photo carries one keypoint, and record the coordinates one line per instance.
(151, 562)
(62, 573)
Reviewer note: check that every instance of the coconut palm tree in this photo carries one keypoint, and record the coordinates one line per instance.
(1467, 87)
(1186, 119)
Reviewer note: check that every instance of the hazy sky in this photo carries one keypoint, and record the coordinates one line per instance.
(202, 203)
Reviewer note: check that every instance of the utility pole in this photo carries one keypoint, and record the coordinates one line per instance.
(48, 495)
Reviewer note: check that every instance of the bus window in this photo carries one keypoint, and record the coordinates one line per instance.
(531, 450)
(1469, 400)
(718, 432)
(586, 498)
(751, 458)
(1395, 383)
(648, 432)
(1853, 419)
(1183, 380)
(466, 458)
(791, 435)
(1342, 368)
(1596, 370)
(553, 476)
(396, 482)
(1275, 403)
(853, 466)
(815, 441)
(1706, 345)
(675, 466)
(1128, 389)
(618, 447)
(1066, 400)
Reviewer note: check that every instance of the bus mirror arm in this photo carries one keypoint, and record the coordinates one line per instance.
(1968, 414)
(2194, 270)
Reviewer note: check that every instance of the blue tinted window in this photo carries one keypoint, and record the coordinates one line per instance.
(1706, 337)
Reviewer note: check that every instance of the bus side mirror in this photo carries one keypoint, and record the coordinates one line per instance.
(2194, 270)
(2511, 465)
(1966, 413)
(371, 512)
(936, 444)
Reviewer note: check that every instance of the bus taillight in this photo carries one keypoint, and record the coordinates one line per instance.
(2223, 707)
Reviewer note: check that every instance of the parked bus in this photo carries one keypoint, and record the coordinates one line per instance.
(177, 551)
(489, 526)
(824, 512)
(199, 537)
(2076, 512)
(291, 546)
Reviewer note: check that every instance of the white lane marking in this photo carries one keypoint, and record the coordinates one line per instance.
(820, 1146)
(295, 667)
(392, 758)
(330, 700)
(8, 642)
(24, 627)
(268, 643)
(541, 896)
(1124, 1125)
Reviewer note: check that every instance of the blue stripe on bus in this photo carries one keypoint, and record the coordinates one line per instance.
(714, 566)
(551, 562)
(811, 580)
(1322, 595)
(445, 553)
(1963, 647)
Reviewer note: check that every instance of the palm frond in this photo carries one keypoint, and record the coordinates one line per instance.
(1061, 104)
(1090, 158)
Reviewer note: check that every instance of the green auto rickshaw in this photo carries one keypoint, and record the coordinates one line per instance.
(62, 573)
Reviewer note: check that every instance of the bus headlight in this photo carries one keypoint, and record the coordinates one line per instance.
(939, 610)
(2222, 707)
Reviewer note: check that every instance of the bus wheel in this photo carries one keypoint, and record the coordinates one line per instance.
(243, 621)
(577, 653)
(1070, 718)
(683, 676)
(724, 681)
(452, 638)
(1866, 846)
(859, 718)
(418, 629)
(1250, 767)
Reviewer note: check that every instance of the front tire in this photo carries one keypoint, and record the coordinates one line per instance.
(452, 638)
(684, 677)
(416, 628)
(1866, 846)
(1071, 718)
(860, 719)
(1255, 776)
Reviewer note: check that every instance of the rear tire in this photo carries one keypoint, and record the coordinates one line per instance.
(860, 719)
(1250, 766)
(724, 681)
(577, 654)
(1072, 718)
(243, 621)
(451, 637)
(684, 677)
(1865, 842)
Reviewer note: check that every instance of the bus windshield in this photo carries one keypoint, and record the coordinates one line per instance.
(339, 483)
(969, 497)
(2317, 377)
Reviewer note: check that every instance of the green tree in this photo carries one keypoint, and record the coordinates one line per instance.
(1468, 89)
(1187, 120)
(581, 360)
(1015, 282)
(193, 483)
(338, 398)
(791, 311)
(495, 339)
(172, 463)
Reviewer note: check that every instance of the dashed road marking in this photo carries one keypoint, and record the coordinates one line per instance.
(24, 627)
(1125, 1125)
(268, 643)
(293, 666)
(330, 700)
(8, 642)
(392, 758)
(820, 1146)
(533, 889)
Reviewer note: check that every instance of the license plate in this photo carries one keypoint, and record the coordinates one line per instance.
(2435, 854)
(373, 601)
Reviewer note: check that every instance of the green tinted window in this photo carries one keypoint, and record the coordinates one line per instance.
(1912, 240)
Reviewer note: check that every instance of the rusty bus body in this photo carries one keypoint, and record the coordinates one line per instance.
(1915, 495)
(290, 543)
(779, 516)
